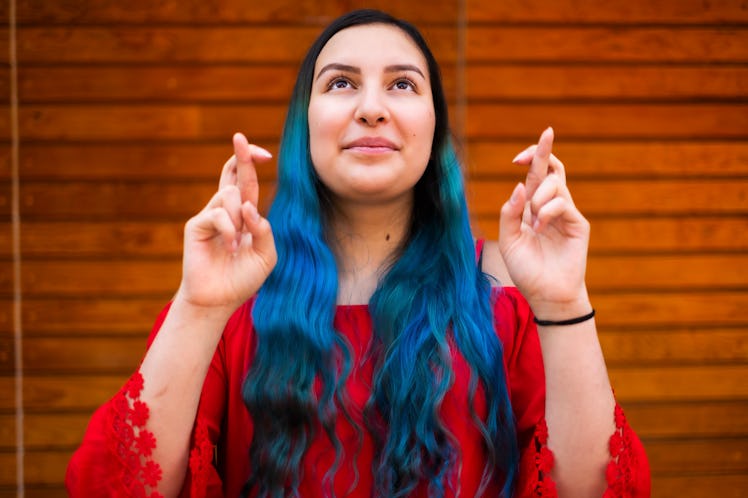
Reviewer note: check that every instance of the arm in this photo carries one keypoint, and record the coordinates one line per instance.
(228, 254)
(543, 241)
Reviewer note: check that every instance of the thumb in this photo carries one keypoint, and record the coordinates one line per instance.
(511, 216)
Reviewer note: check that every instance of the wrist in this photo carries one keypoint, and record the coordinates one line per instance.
(562, 310)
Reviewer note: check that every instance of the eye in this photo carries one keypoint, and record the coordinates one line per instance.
(404, 84)
(339, 83)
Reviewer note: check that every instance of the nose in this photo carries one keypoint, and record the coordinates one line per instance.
(372, 108)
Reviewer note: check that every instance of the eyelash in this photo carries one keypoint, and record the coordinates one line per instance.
(343, 79)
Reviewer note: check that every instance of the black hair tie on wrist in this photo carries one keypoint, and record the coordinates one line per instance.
(570, 321)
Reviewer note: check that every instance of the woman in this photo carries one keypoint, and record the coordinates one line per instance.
(375, 358)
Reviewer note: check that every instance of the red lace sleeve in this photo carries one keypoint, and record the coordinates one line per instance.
(627, 474)
(115, 457)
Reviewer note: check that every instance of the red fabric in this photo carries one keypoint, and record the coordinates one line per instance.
(96, 469)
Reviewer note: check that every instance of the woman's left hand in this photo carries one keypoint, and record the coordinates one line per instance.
(543, 238)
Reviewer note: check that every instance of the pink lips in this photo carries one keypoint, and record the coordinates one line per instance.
(371, 145)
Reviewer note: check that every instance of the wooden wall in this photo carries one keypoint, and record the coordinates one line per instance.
(124, 117)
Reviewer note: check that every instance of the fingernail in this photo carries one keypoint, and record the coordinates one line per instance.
(262, 152)
(516, 158)
(513, 198)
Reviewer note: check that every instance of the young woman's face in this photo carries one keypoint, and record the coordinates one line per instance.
(371, 114)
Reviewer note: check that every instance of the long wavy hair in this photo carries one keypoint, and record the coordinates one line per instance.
(433, 299)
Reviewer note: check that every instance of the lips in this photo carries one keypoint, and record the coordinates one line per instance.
(371, 144)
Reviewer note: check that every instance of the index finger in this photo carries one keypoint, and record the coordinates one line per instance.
(246, 174)
(539, 167)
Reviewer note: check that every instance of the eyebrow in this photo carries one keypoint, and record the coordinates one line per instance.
(353, 69)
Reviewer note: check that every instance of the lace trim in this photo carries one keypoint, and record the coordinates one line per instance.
(201, 458)
(540, 483)
(132, 444)
(619, 473)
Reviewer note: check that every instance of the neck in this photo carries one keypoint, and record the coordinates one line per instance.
(366, 239)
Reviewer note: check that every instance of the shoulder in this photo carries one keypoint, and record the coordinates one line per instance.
(494, 266)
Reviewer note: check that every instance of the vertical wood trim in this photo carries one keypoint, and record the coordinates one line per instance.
(460, 75)
(16, 228)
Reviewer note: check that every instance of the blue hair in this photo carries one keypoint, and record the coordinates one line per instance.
(433, 295)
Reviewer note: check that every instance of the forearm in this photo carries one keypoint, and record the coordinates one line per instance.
(579, 407)
(174, 371)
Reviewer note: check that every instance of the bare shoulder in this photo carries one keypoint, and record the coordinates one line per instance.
(493, 263)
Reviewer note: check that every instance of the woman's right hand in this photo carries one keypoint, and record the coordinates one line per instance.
(228, 247)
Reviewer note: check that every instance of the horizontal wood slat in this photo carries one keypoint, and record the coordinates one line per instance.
(605, 273)
(148, 123)
(102, 355)
(224, 11)
(93, 315)
(121, 355)
(674, 346)
(687, 456)
(180, 201)
(240, 44)
(641, 159)
(605, 44)
(636, 235)
(149, 239)
(218, 83)
(699, 486)
(321, 11)
(234, 44)
(628, 12)
(688, 420)
(588, 82)
(680, 383)
(630, 121)
(207, 83)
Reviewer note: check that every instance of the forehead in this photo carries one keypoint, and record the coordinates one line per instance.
(371, 44)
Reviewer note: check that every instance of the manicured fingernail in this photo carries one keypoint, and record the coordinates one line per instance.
(259, 151)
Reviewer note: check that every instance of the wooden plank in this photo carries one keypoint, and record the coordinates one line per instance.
(667, 272)
(123, 278)
(314, 12)
(44, 491)
(614, 44)
(638, 198)
(676, 420)
(6, 278)
(645, 234)
(554, 82)
(7, 432)
(204, 83)
(674, 346)
(7, 355)
(120, 201)
(701, 455)
(140, 161)
(70, 392)
(91, 355)
(45, 467)
(227, 43)
(585, 120)
(673, 309)
(46, 430)
(604, 273)
(629, 12)
(150, 122)
(103, 239)
(7, 394)
(680, 383)
(5, 162)
(699, 486)
(91, 316)
(8, 469)
(628, 197)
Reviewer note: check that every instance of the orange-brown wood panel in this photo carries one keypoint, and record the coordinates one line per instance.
(697, 420)
(224, 11)
(70, 316)
(646, 159)
(680, 383)
(698, 486)
(235, 44)
(619, 12)
(62, 355)
(614, 44)
(8, 469)
(534, 82)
